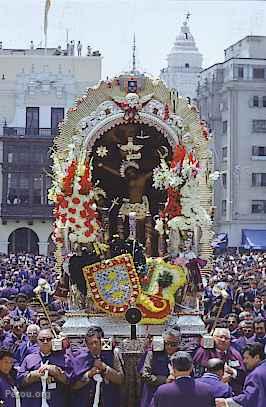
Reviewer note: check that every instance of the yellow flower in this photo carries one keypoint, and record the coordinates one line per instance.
(117, 295)
(107, 287)
(112, 276)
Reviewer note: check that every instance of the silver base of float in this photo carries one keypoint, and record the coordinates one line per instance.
(77, 324)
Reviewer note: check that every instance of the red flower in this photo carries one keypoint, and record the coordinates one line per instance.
(76, 201)
(72, 210)
(83, 214)
(64, 204)
(72, 220)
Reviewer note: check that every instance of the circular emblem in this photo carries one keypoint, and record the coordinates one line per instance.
(133, 315)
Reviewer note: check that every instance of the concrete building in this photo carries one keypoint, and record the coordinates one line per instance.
(184, 64)
(232, 99)
(37, 87)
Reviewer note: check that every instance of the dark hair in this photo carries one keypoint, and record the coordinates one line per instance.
(5, 352)
(181, 361)
(215, 365)
(232, 315)
(95, 331)
(255, 349)
(259, 320)
(21, 295)
(248, 305)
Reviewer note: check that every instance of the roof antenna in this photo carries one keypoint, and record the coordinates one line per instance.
(134, 55)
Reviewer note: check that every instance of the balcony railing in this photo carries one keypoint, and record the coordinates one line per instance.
(19, 212)
(28, 132)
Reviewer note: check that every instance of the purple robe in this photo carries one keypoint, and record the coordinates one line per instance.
(240, 343)
(13, 343)
(27, 314)
(217, 387)
(31, 394)
(233, 359)
(254, 391)
(25, 349)
(6, 393)
(185, 392)
(160, 362)
(79, 363)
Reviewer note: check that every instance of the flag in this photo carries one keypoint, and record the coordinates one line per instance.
(47, 7)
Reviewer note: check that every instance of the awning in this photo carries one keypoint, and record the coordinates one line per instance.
(220, 241)
(254, 239)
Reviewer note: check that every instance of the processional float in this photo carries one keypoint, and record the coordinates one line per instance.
(132, 189)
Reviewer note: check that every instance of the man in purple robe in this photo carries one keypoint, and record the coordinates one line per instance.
(42, 375)
(16, 337)
(232, 325)
(234, 366)
(156, 365)
(184, 390)
(86, 367)
(213, 377)
(30, 345)
(22, 309)
(7, 383)
(259, 325)
(254, 391)
(247, 338)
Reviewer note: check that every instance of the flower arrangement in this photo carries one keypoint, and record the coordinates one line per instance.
(74, 196)
(181, 181)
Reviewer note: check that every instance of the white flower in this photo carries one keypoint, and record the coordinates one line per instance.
(214, 176)
(102, 151)
(159, 226)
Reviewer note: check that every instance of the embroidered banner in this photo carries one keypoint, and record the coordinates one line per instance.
(113, 283)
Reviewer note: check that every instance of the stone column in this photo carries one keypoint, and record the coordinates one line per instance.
(43, 248)
(4, 246)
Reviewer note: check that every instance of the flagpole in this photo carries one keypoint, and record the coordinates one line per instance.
(45, 27)
(45, 43)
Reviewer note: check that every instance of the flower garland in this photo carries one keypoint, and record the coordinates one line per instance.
(72, 192)
(182, 210)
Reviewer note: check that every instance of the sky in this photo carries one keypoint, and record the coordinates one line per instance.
(109, 25)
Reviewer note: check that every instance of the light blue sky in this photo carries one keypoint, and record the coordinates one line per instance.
(108, 25)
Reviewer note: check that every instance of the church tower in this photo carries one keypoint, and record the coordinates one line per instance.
(184, 63)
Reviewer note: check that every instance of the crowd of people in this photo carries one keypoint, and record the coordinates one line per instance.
(37, 370)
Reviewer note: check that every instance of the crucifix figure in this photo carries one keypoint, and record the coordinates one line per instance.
(136, 180)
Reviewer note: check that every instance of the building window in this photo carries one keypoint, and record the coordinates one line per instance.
(32, 121)
(255, 101)
(224, 207)
(224, 153)
(259, 179)
(258, 206)
(57, 116)
(240, 72)
(225, 127)
(258, 73)
(259, 151)
(259, 126)
(186, 65)
(263, 101)
(18, 189)
(37, 198)
(224, 179)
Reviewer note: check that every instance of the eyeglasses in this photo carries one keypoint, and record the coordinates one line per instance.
(172, 344)
(43, 340)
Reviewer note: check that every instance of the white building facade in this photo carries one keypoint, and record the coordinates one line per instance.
(37, 87)
(184, 64)
(232, 99)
